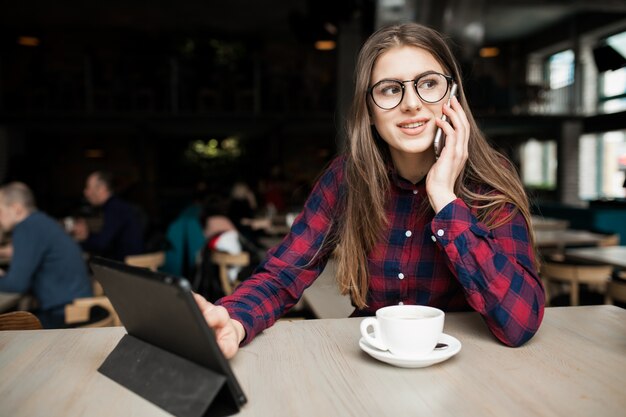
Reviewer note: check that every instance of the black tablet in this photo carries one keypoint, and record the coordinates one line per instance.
(160, 309)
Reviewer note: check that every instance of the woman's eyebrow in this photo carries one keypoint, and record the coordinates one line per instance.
(415, 77)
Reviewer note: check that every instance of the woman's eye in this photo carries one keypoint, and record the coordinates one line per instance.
(428, 84)
(390, 89)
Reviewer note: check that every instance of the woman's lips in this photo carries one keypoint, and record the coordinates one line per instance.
(413, 128)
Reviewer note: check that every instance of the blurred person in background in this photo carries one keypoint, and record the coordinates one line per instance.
(243, 211)
(44, 259)
(185, 236)
(121, 233)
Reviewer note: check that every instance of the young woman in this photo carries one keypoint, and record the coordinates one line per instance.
(405, 226)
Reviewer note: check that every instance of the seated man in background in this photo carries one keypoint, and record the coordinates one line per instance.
(44, 259)
(121, 233)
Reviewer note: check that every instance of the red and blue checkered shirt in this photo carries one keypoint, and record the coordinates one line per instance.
(449, 260)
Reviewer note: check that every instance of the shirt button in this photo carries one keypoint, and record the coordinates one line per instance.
(433, 238)
(440, 232)
(414, 191)
(401, 275)
(408, 233)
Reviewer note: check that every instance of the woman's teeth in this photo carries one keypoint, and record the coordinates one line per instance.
(411, 125)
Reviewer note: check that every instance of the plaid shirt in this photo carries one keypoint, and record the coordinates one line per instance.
(450, 261)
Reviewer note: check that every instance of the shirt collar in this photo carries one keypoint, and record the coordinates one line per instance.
(402, 182)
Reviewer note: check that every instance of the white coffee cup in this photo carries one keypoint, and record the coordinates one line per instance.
(404, 330)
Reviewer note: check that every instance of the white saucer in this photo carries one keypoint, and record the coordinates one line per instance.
(436, 356)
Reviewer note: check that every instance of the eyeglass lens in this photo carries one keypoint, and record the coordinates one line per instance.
(431, 88)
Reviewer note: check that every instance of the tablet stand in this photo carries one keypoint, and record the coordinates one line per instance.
(177, 385)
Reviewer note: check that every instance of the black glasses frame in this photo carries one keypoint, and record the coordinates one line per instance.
(448, 78)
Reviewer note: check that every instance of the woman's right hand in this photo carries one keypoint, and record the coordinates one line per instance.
(228, 332)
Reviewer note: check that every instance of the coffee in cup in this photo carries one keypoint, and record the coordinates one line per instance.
(404, 330)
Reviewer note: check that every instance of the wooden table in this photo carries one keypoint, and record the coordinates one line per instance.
(567, 237)
(574, 366)
(610, 255)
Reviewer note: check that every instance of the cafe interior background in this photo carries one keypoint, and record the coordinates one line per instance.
(167, 93)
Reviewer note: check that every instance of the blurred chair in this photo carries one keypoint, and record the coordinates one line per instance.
(616, 292)
(575, 274)
(151, 261)
(609, 240)
(97, 288)
(19, 320)
(91, 312)
(225, 260)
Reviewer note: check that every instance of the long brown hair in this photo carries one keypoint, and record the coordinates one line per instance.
(367, 177)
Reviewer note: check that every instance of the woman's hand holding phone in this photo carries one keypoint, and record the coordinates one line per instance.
(440, 138)
(445, 171)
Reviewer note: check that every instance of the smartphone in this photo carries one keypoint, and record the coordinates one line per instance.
(440, 137)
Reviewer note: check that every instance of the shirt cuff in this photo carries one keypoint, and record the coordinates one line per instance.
(454, 220)
(243, 316)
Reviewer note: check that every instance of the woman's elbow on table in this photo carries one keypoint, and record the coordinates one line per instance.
(515, 332)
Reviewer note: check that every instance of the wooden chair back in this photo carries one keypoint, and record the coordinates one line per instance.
(224, 260)
(97, 288)
(19, 320)
(151, 260)
(609, 240)
(79, 310)
(574, 275)
(616, 292)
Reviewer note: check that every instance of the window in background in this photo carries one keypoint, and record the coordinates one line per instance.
(539, 164)
(602, 162)
(559, 77)
(561, 69)
(612, 84)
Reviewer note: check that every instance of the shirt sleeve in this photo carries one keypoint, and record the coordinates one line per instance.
(496, 269)
(291, 267)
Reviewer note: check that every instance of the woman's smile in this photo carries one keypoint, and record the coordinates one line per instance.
(413, 127)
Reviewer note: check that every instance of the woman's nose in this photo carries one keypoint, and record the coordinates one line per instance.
(410, 100)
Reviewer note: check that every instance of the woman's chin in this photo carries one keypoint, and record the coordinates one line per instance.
(416, 148)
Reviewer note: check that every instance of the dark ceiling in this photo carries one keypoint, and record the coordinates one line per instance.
(267, 18)
(502, 20)
(511, 19)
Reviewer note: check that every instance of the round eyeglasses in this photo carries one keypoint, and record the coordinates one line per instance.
(430, 88)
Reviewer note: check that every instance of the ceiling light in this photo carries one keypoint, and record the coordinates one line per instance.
(94, 153)
(28, 41)
(489, 52)
(325, 45)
